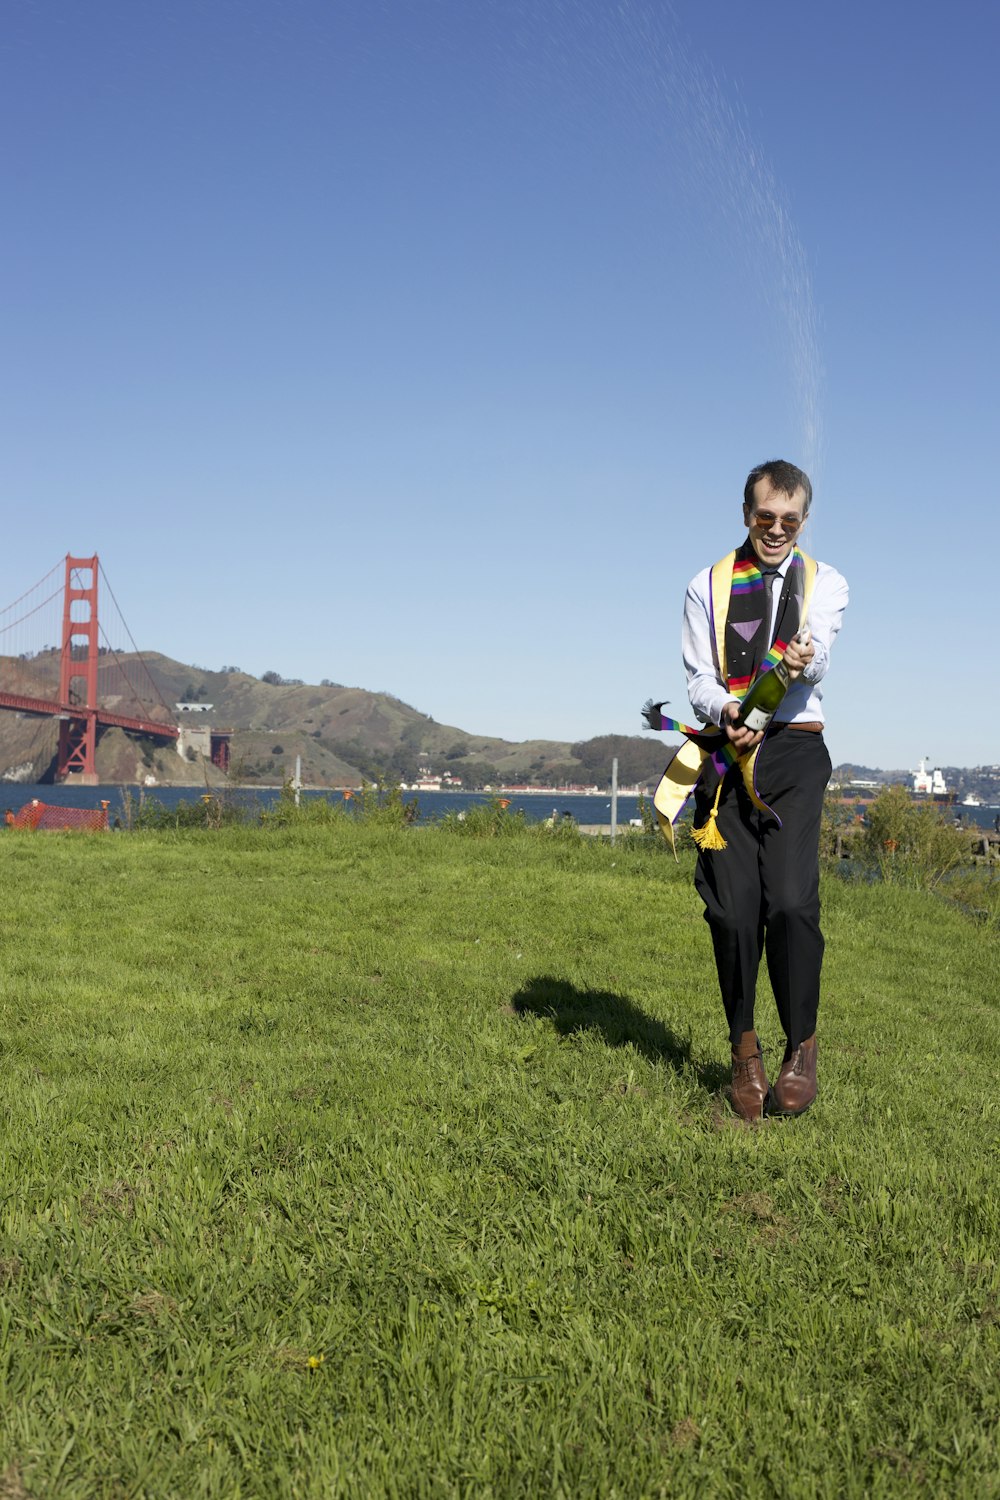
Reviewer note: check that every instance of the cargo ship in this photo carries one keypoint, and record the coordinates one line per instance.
(930, 786)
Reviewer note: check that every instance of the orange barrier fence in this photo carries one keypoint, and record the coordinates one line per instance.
(43, 816)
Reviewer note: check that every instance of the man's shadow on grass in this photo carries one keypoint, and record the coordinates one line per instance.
(619, 1023)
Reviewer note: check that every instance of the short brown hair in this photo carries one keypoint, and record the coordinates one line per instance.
(783, 476)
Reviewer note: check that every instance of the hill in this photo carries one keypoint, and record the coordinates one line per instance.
(343, 734)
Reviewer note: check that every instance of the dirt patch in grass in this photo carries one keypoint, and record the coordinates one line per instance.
(832, 1194)
(900, 1461)
(685, 1433)
(755, 1205)
(760, 1210)
(153, 1305)
(12, 1486)
(119, 1198)
(151, 1148)
(624, 1087)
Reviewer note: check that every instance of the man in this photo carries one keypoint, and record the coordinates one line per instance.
(761, 890)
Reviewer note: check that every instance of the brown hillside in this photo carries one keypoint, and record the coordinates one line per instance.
(343, 734)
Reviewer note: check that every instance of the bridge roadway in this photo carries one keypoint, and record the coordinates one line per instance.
(45, 707)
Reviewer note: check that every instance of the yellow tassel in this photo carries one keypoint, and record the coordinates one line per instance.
(708, 835)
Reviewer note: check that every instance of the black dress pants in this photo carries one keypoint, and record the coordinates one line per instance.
(761, 892)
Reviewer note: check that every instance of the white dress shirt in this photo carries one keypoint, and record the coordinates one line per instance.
(803, 701)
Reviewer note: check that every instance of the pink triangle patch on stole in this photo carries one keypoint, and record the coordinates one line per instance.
(747, 628)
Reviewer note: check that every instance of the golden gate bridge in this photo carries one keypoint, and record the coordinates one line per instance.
(86, 684)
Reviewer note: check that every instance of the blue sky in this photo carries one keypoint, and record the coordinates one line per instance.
(425, 346)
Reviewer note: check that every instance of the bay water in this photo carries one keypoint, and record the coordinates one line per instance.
(432, 806)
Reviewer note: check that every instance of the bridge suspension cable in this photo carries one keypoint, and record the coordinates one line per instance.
(17, 637)
(141, 661)
(34, 587)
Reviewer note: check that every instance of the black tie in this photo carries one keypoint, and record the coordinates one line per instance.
(768, 576)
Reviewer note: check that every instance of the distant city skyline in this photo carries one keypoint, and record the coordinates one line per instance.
(425, 348)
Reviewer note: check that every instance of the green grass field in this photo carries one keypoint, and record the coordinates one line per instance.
(358, 1161)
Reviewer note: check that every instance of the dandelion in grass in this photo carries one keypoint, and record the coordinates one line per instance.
(315, 1360)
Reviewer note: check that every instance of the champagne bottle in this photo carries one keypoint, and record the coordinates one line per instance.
(761, 702)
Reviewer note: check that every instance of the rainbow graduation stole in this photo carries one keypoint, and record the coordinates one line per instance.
(735, 594)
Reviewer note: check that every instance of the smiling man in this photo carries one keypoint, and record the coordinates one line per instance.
(761, 890)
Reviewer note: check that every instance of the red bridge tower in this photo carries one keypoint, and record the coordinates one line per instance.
(78, 729)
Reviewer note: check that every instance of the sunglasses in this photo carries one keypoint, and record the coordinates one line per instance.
(765, 519)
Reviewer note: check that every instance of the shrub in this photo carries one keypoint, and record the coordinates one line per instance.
(566, 828)
(837, 817)
(647, 813)
(977, 893)
(384, 804)
(308, 810)
(486, 820)
(909, 843)
(210, 811)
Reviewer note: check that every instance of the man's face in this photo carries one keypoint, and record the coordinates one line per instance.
(773, 521)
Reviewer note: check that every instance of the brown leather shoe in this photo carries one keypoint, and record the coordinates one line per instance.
(795, 1085)
(750, 1086)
